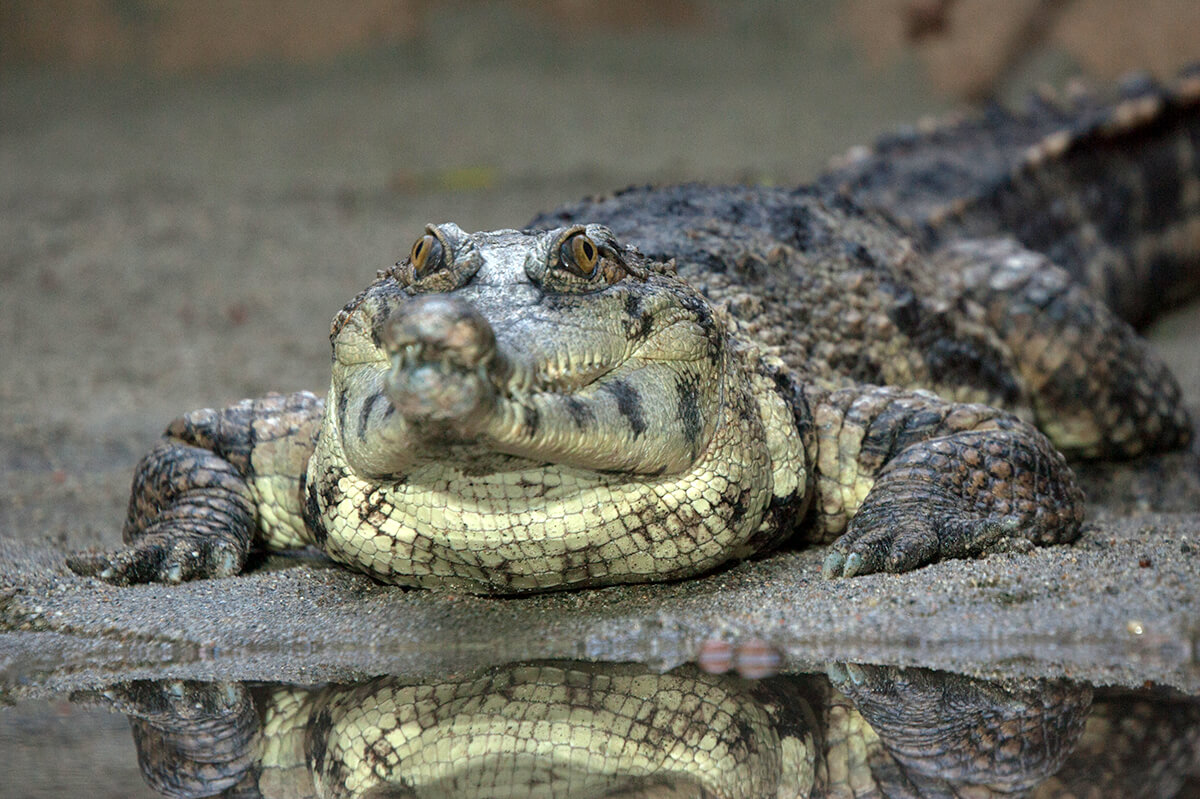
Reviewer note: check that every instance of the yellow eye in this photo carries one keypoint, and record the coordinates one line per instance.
(580, 255)
(426, 255)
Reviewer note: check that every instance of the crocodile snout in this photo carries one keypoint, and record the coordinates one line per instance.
(441, 348)
(439, 328)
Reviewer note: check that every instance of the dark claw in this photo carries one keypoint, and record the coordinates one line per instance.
(88, 563)
(868, 548)
(832, 567)
(159, 558)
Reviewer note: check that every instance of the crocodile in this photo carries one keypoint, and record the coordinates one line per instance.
(581, 729)
(897, 362)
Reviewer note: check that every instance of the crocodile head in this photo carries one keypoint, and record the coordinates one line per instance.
(523, 410)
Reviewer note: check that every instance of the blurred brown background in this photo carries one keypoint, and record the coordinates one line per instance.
(966, 47)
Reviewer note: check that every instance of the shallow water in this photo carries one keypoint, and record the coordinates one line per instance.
(581, 729)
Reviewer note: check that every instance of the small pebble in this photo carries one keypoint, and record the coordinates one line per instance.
(716, 656)
(756, 659)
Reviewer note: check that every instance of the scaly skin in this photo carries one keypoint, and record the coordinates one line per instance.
(1110, 192)
(604, 729)
(644, 386)
(546, 432)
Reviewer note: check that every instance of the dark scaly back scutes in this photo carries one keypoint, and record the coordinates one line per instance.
(837, 293)
(647, 385)
(1110, 191)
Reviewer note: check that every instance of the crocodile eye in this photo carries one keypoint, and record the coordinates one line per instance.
(426, 255)
(580, 255)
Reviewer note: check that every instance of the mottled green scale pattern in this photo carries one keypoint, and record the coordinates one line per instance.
(646, 385)
(545, 730)
(536, 528)
(581, 730)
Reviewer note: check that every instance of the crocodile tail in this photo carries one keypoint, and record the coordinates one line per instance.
(1109, 191)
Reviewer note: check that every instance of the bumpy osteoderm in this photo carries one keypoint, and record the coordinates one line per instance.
(558, 412)
(647, 385)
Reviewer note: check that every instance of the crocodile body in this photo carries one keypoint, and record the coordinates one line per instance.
(546, 729)
(647, 385)
(1108, 191)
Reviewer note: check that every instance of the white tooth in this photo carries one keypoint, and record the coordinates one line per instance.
(410, 355)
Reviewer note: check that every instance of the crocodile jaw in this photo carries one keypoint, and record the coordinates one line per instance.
(535, 527)
(499, 437)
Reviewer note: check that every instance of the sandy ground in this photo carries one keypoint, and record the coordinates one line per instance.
(172, 245)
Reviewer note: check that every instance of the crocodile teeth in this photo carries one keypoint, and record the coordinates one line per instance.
(409, 356)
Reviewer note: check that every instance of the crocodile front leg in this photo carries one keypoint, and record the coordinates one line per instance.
(946, 734)
(193, 739)
(217, 484)
(913, 479)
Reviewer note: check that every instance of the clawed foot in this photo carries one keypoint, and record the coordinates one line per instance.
(191, 516)
(961, 496)
(902, 545)
(163, 558)
(193, 739)
(1008, 735)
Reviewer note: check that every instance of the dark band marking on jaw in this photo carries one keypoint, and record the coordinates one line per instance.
(531, 420)
(689, 412)
(581, 414)
(364, 415)
(343, 401)
(629, 404)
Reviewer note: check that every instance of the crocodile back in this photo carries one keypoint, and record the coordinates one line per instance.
(1110, 191)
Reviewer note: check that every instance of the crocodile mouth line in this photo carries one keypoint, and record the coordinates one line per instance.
(412, 356)
(512, 378)
(516, 378)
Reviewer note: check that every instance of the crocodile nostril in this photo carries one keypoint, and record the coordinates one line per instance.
(442, 328)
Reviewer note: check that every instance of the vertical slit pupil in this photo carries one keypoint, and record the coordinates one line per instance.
(426, 253)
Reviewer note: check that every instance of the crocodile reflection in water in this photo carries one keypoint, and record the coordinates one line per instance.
(587, 729)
